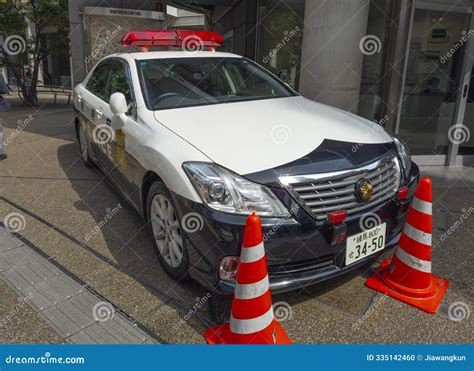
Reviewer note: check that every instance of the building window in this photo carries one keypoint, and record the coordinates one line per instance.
(280, 38)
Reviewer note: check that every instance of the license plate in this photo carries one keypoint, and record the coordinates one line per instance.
(366, 243)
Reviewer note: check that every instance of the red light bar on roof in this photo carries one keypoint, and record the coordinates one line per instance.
(186, 39)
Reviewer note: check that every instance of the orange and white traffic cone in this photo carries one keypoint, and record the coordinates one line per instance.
(251, 320)
(407, 277)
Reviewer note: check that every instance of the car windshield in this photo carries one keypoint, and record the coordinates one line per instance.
(185, 82)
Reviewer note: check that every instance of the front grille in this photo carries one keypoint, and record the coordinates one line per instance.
(322, 193)
(313, 264)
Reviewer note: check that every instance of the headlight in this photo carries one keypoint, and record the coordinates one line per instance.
(225, 191)
(404, 154)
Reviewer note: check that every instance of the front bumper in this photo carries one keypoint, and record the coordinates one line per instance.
(299, 251)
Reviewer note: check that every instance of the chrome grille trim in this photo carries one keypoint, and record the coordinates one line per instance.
(322, 193)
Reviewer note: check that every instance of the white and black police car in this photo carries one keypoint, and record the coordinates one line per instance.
(197, 139)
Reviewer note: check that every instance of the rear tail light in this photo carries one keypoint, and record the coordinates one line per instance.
(228, 268)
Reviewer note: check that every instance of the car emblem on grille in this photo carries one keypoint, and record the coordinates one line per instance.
(364, 190)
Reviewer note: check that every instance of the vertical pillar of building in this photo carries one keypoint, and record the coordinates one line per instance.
(77, 35)
(398, 57)
(331, 65)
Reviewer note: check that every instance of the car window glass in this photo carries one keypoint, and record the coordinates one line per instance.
(97, 84)
(186, 82)
(119, 83)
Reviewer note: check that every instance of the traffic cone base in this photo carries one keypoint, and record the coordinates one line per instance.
(252, 319)
(427, 299)
(221, 334)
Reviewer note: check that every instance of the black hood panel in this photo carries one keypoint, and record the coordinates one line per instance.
(330, 156)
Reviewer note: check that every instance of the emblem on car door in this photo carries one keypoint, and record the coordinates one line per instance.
(364, 190)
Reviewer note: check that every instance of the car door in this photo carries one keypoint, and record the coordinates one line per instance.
(122, 160)
(100, 133)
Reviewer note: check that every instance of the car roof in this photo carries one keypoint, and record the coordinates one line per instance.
(175, 54)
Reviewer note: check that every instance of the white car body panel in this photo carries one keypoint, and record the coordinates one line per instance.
(245, 137)
(158, 149)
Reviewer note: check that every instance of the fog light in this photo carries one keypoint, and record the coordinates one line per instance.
(228, 268)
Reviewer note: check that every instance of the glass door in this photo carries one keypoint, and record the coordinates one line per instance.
(434, 79)
(465, 132)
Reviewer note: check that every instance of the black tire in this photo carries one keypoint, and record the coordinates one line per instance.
(84, 151)
(180, 272)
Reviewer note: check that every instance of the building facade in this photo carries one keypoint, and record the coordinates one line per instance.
(403, 63)
(406, 64)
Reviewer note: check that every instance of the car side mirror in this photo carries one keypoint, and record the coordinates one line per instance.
(118, 106)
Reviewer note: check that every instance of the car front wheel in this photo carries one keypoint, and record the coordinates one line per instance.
(165, 227)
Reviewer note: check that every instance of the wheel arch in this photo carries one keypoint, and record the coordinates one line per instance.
(148, 179)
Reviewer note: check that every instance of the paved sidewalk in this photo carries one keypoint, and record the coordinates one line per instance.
(62, 203)
(15, 313)
(68, 306)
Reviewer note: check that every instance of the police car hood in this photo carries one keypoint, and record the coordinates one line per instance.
(253, 136)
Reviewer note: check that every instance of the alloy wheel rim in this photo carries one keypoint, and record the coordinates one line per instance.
(166, 230)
